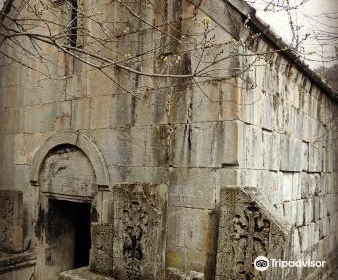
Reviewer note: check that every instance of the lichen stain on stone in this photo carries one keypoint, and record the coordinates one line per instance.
(94, 215)
(40, 222)
(159, 143)
(210, 245)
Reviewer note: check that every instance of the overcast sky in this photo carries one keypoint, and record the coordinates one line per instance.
(311, 17)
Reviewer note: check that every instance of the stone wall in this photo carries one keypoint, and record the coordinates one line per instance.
(266, 136)
(288, 149)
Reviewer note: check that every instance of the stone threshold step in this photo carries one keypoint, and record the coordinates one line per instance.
(83, 273)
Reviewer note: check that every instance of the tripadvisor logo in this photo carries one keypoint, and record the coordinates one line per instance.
(261, 263)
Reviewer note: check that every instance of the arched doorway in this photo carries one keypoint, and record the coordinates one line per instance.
(71, 175)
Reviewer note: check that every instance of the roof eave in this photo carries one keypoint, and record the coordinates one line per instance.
(245, 9)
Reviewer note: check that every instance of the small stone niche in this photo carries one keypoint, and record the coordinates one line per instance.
(11, 221)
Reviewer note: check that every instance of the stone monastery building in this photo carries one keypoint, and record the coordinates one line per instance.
(146, 169)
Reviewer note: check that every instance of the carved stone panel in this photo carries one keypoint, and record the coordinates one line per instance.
(139, 231)
(11, 221)
(248, 229)
(67, 171)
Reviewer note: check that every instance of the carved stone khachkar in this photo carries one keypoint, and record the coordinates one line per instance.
(139, 231)
(11, 221)
(249, 227)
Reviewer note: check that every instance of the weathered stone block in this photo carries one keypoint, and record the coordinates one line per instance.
(138, 174)
(156, 146)
(207, 107)
(308, 211)
(305, 182)
(192, 187)
(295, 242)
(314, 228)
(254, 147)
(305, 160)
(176, 256)
(63, 115)
(201, 261)
(99, 83)
(76, 86)
(322, 207)
(312, 185)
(273, 185)
(100, 112)
(13, 96)
(267, 120)
(304, 237)
(290, 212)
(122, 147)
(39, 118)
(191, 237)
(296, 186)
(205, 144)
(102, 236)
(249, 227)
(271, 157)
(324, 227)
(300, 213)
(11, 220)
(80, 114)
(101, 261)
(50, 90)
(83, 273)
(291, 154)
(315, 157)
(333, 223)
(13, 120)
(178, 274)
(287, 186)
(122, 111)
(316, 208)
(139, 231)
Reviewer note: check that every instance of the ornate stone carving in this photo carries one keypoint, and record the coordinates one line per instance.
(11, 221)
(249, 228)
(135, 231)
(139, 231)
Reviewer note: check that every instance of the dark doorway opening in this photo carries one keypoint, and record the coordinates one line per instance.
(69, 233)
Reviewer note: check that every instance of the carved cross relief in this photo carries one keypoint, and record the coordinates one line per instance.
(247, 230)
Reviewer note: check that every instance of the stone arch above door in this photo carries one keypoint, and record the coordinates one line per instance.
(75, 142)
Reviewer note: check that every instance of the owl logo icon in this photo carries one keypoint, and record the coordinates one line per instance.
(261, 263)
